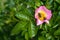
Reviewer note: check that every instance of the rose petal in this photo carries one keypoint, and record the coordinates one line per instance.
(37, 11)
(39, 22)
(46, 21)
(48, 12)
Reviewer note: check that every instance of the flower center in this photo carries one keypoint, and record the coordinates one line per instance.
(42, 15)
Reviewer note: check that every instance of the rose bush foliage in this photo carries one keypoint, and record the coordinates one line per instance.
(17, 21)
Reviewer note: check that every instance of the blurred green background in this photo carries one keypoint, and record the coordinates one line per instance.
(17, 20)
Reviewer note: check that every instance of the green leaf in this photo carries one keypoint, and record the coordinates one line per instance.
(48, 4)
(58, 1)
(2, 6)
(57, 32)
(18, 28)
(55, 25)
(26, 36)
(32, 30)
(19, 38)
(41, 38)
(22, 16)
(48, 36)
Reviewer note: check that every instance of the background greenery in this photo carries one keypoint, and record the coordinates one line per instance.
(17, 20)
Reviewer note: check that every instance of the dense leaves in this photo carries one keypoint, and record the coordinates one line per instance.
(17, 20)
(58, 1)
(22, 16)
(20, 26)
(57, 32)
(32, 30)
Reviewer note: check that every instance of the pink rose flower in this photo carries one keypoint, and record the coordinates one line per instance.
(42, 14)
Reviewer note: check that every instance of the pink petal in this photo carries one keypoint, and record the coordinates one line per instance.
(48, 12)
(49, 15)
(39, 22)
(46, 21)
(37, 11)
(36, 15)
